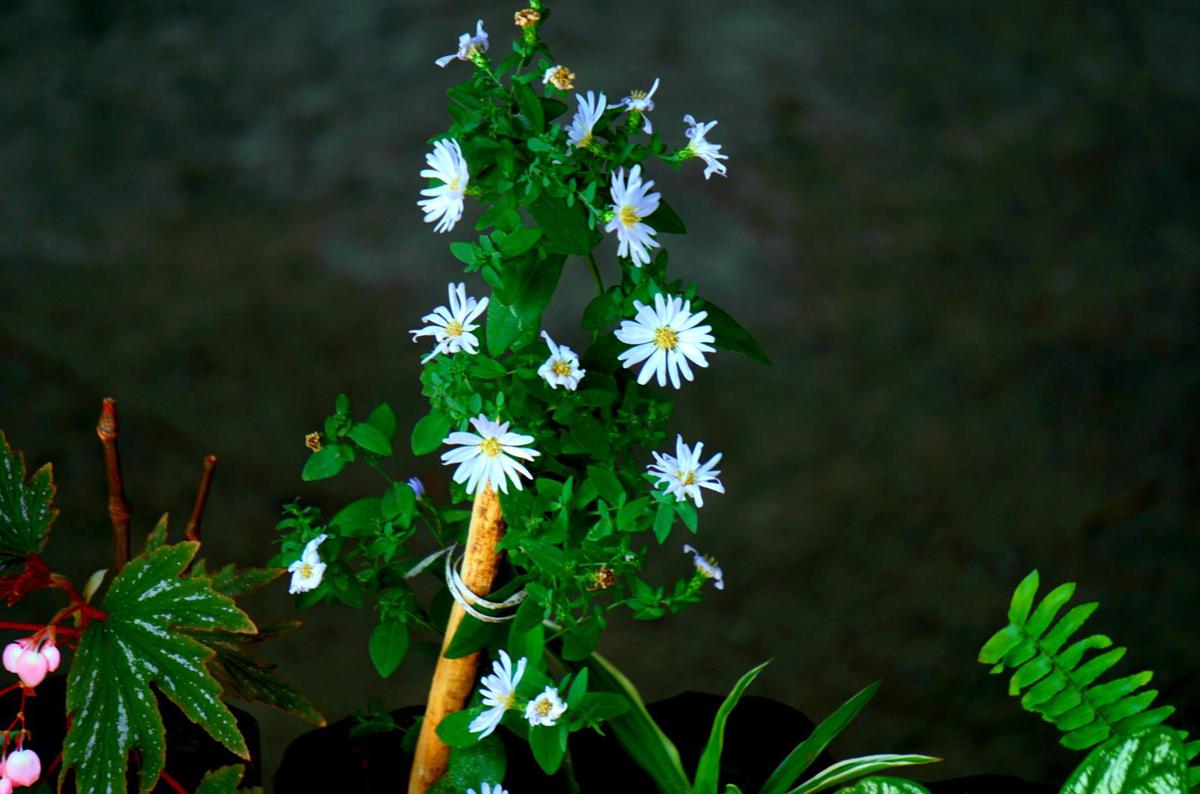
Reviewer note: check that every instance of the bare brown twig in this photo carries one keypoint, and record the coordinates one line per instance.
(118, 506)
(193, 524)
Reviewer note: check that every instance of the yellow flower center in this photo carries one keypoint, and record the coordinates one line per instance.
(637, 93)
(665, 338)
(629, 216)
(584, 142)
(454, 328)
(454, 185)
(306, 571)
(490, 447)
(561, 367)
(687, 477)
(543, 707)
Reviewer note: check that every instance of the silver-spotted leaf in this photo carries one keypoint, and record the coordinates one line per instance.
(884, 785)
(112, 707)
(226, 780)
(1148, 762)
(26, 506)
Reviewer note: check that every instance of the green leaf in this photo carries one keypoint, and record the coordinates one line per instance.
(709, 767)
(399, 502)
(26, 506)
(1148, 762)
(454, 729)
(549, 745)
(853, 768)
(519, 241)
(516, 320)
(370, 439)
(592, 436)
(388, 646)
(730, 335)
(566, 228)
(226, 780)
(230, 580)
(637, 731)
(806, 752)
(482, 762)
(326, 463)
(157, 536)
(383, 419)
(429, 433)
(885, 785)
(530, 107)
(605, 482)
(666, 220)
(603, 311)
(664, 519)
(359, 518)
(1022, 600)
(137, 643)
(463, 252)
(470, 636)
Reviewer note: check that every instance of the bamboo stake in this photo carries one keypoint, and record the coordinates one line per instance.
(453, 679)
(193, 525)
(107, 428)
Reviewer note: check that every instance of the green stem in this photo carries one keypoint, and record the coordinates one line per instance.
(596, 274)
(569, 769)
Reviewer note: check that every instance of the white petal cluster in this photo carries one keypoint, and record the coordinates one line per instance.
(707, 567)
(453, 326)
(545, 709)
(632, 202)
(443, 204)
(641, 102)
(699, 146)
(667, 337)
(684, 475)
(468, 45)
(562, 368)
(488, 457)
(308, 570)
(488, 788)
(499, 693)
(591, 108)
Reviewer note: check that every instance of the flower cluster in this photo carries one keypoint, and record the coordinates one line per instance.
(499, 693)
(32, 659)
(19, 768)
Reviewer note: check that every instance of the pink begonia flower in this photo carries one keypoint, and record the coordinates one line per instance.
(32, 667)
(23, 768)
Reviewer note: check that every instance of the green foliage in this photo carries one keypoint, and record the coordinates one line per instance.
(854, 768)
(226, 780)
(26, 505)
(140, 642)
(710, 760)
(1147, 761)
(885, 785)
(469, 766)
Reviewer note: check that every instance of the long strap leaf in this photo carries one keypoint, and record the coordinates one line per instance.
(709, 768)
(851, 768)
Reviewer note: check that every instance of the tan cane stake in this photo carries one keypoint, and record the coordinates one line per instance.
(453, 679)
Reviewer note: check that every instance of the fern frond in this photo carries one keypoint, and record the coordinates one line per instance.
(1061, 682)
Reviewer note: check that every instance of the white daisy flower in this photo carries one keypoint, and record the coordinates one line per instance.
(707, 567)
(560, 77)
(641, 102)
(666, 337)
(488, 788)
(499, 693)
(683, 474)
(489, 456)
(545, 709)
(307, 571)
(562, 368)
(453, 328)
(468, 46)
(591, 108)
(444, 202)
(631, 203)
(699, 146)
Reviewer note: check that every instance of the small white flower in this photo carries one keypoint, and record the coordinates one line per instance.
(307, 571)
(641, 102)
(591, 108)
(699, 146)
(707, 567)
(488, 788)
(562, 368)
(545, 709)
(683, 474)
(488, 458)
(560, 77)
(632, 203)
(444, 202)
(453, 327)
(499, 692)
(468, 45)
(666, 337)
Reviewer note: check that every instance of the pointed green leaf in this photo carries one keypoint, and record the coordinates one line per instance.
(157, 536)
(388, 646)
(1022, 600)
(709, 767)
(1148, 762)
(730, 335)
(854, 768)
(885, 785)
(112, 707)
(429, 433)
(26, 506)
(666, 220)
(226, 780)
(371, 439)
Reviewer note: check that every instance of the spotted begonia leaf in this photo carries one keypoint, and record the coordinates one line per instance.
(113, 709)
(26, 506)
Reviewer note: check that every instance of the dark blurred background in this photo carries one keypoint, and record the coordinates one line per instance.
(966, 232)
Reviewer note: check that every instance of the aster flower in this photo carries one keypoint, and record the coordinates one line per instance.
(453, 327)
(707, 567)
(562, 368)
(641, 102)
(683, 473)
(418, 487)
(468, 46)
(545, 709)
(666, 337)
(443, 204)
(488, 788)
(488, 456)
(560, 77)
(632, 203)
(499, 693)
(591, 108)
(308, 570)
(699, 146)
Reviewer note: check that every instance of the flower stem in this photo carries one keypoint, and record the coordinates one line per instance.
(596, 274)
(193, 525)
(118, 506)
(453, 679)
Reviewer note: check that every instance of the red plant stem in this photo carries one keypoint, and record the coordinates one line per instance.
(54, 765)
(8, 689)
(193, 525)
(108, 430)
(172, 782)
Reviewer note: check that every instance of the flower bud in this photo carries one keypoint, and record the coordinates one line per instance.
(11, 652)
(32, 667)
(23, 768)
(52, 654)
(5, 786)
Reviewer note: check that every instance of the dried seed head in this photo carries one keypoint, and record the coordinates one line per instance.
(313, 441)
(526, 17)
(602, 579)
(561, 78)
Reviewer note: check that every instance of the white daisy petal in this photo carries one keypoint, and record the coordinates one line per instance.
(489, 457)
(631, 204)
(699, 146)
(444, 205)
(453, 328)
(683, 475)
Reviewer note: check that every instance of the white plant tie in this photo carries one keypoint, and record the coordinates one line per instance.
(467, 599)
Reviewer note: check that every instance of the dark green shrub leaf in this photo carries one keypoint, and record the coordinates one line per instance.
(732, 336)
(388, 646)
(666, 220)
(226, 780)
(326, 463)
(370, 439)
(26, 506)
(429, 433)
